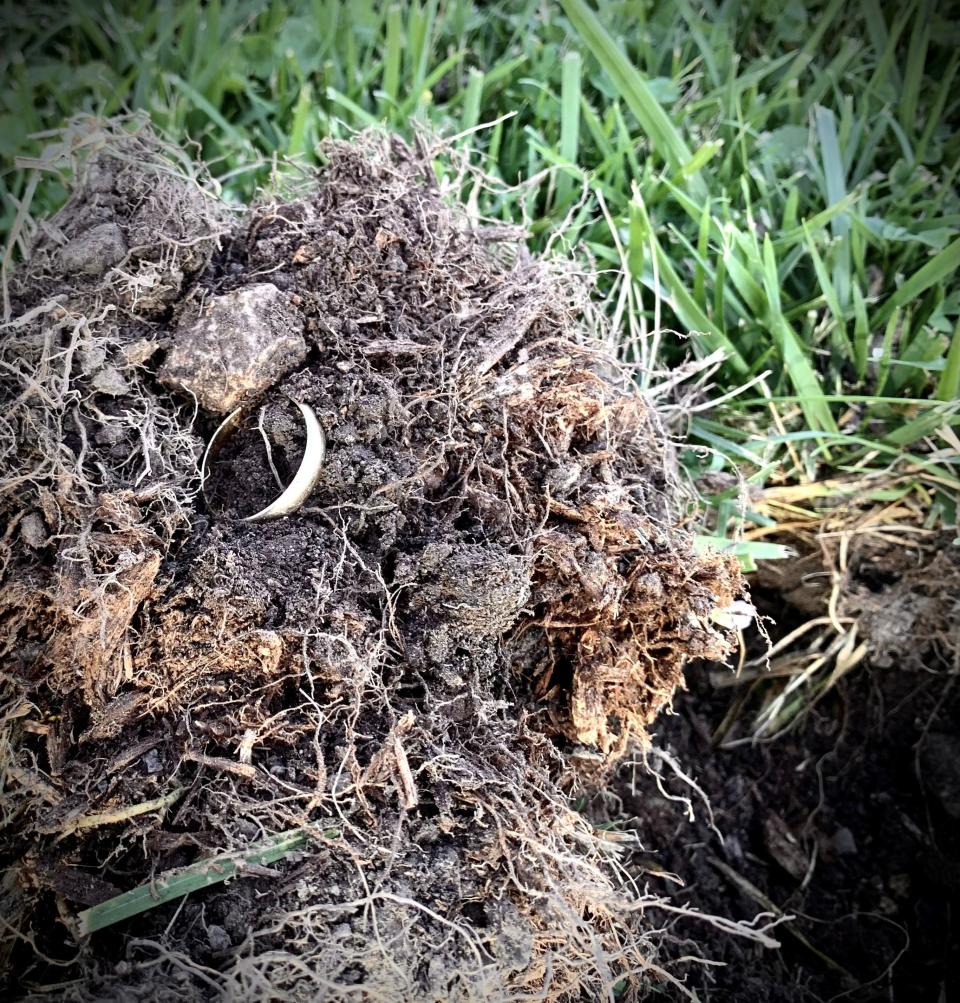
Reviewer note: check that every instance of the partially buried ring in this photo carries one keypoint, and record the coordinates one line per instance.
(306, 477)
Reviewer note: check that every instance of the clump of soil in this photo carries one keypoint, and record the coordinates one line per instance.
(486, 585)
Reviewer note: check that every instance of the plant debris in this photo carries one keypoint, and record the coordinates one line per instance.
(486, 587)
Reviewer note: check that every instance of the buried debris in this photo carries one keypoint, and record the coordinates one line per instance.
(485, 579)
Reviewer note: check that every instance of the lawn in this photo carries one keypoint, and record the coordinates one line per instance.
(766, 193)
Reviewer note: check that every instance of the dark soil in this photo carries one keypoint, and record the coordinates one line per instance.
(849, 824)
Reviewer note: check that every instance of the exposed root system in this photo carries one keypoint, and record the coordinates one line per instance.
(486, 588)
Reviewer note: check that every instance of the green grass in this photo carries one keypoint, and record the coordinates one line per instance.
(781, 178)
(172, 885)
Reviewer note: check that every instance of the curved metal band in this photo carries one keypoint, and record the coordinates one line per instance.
(306, 477)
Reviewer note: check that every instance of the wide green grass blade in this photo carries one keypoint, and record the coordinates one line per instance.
(836, 190)
(360, 115)
(861, 333)
(938, 269)
(841, 344)
(393, 53)
(796, 361)
(569, 121)
(173, 885)
(913, 74)
(297, 143)
(747, 552)
(473, 95)
(665, 138)
(948, 387)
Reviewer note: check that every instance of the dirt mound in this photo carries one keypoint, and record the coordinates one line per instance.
(486, 582)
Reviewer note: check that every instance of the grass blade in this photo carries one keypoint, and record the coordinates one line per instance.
(861, 333)
(185, 880)
(199, 101)
(664, 137)
(394, 52)
(796, 363)
(938, 269)
(913, 77)
(747, 552)
(836, 190)
(841, 343)
(948, 387)
(806, 53)
(297, 143)
(935, 115)
(569, 121)
(472, 96)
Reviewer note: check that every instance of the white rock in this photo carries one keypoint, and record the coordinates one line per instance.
(241, 344)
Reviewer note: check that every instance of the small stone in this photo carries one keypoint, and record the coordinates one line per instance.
(33, 531)
(783, 846)
(242, 343)
(111, 381)
(138, 352)
(732, 848)
(843, 842)
(218, 938)
(92, 356)
(95, 250)
(887, 907)
(899, 885)
(235, 924)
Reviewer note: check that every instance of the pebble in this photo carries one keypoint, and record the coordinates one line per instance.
(241, 344)
(844, 842)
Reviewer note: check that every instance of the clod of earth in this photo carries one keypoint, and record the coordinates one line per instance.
(240, 345)
(486, 578)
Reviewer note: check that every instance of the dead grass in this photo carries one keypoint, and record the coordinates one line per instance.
(873, 581)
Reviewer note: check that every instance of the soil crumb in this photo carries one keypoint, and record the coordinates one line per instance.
(486, 588)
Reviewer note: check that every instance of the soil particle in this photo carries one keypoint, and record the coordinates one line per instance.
(460, 597)
(95, 251)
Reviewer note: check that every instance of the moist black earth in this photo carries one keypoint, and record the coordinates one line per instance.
(848, 823)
